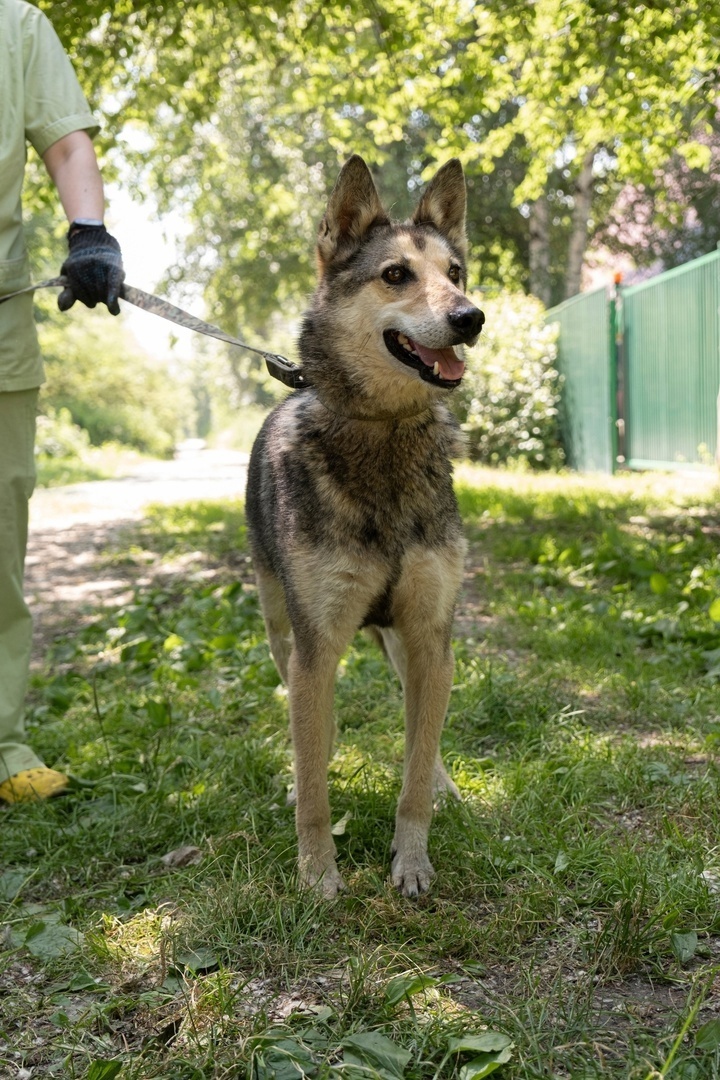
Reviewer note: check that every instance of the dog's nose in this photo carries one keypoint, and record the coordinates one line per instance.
(468, 321)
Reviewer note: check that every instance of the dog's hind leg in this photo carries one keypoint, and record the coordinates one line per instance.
(277, 621)
(394, 649)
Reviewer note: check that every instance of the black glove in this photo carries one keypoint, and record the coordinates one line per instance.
(93, 268)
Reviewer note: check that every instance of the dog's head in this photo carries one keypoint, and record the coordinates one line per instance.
(390, 306)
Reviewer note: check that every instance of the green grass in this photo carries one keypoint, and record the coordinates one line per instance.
(95, 463)
(574, 923)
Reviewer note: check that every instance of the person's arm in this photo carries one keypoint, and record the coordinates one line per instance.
(74, 170)
(93, 268)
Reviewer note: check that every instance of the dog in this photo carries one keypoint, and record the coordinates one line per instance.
(352, 519)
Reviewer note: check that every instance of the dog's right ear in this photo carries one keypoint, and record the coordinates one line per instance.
(353, 207)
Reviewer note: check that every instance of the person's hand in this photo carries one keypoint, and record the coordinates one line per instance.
(93, 268)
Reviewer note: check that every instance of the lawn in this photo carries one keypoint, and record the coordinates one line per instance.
(151, 923)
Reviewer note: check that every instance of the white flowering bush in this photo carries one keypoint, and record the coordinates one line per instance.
(509, 400)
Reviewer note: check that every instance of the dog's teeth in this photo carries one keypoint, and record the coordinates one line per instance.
(436, 368)
(403, 340)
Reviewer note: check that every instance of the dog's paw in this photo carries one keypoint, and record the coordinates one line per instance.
(411, 875)
(324, 879)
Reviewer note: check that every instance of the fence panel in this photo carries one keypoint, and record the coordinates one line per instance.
(672, 366)
(586, 362)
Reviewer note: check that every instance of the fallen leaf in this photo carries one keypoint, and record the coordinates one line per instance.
(183, 856)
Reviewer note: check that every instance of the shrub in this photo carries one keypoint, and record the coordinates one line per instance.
(109, 387)
(58, 437)
(509, 401)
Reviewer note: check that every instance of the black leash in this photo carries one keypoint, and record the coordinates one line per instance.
(278, 366)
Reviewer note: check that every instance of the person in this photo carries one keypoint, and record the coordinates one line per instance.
(42, 104)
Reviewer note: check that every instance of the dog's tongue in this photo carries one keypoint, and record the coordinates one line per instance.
(449, 366)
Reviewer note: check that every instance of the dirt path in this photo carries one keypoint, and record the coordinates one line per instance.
(71, 527)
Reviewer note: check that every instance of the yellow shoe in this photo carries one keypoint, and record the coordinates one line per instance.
(33, 785)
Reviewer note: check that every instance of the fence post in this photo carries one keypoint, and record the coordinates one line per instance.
(616, 373)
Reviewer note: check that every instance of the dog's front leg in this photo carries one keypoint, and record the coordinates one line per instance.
(427, 692)
(311, 688)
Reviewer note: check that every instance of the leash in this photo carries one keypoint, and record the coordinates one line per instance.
(278, 366)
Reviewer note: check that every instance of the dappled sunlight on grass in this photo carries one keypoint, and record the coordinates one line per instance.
(136, 940)
(582, 731)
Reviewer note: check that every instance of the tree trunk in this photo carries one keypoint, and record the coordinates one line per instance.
(540, 250)
(582, 199)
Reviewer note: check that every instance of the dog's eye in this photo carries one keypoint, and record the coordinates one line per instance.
(454, 273)
(394, 275)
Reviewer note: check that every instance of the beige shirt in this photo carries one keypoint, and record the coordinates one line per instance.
(40, 102)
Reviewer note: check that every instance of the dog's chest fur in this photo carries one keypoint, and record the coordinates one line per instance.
(367, 487)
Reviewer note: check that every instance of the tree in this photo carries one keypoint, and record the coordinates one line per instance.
(554, 106)
(604, 92)
(675, 217)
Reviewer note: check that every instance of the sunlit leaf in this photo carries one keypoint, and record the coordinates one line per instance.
(372, 1049)
(196, 960)
(708, 1036)
(684, 946)
(340, 826)
(487, 1042)
(404, 986)
(483, 1066)
(104, 1070)
(658, 584)
(284, 1059)
(11, 882)
(50, 940)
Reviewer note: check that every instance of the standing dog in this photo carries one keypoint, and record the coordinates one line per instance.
(351, 513)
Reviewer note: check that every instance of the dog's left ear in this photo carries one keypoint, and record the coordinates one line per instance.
(444, 203)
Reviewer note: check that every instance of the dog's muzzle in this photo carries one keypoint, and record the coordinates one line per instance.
(441, 367)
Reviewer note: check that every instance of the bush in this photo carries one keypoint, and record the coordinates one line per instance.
(509, 401)
(64, 454)
(58, 437)
(109, 387)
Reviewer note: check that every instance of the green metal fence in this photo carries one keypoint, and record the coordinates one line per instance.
(642, 371)
(671, 337)
(586, 360)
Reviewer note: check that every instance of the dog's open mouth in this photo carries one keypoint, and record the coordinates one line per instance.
(438, 366)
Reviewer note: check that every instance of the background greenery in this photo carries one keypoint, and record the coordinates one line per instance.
(588, 130)
(509, 400)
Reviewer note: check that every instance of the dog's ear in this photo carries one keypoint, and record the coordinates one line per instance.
(353, 207)
(444, 203)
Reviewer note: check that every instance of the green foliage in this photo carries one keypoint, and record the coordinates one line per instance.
(63, 454)
(58, 437)
(509, 399)
(248, 138)
(108, 387)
